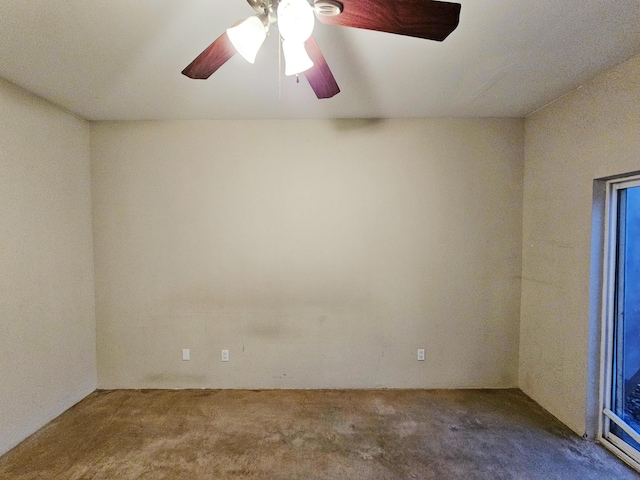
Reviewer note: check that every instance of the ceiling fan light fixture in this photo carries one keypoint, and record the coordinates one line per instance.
(296, 58)
(248, 37)
(295, 20)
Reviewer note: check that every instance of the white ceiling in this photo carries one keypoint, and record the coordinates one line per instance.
(121, 59)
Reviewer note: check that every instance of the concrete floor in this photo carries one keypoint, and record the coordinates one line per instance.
(285, 434)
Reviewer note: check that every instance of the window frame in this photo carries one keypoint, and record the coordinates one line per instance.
(609, 298)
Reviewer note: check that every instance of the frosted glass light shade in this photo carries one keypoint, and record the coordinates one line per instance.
(295, 20)
(248, 37)
(296, 59)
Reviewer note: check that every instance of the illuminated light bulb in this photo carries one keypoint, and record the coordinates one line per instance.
(248, 37)
(295, 22)
(296, 58)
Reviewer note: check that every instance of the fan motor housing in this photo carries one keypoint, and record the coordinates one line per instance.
(328, 8)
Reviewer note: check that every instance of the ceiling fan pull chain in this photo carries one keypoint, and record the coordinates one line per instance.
(297, 78)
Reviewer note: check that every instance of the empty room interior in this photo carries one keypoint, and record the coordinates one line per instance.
(421, 275)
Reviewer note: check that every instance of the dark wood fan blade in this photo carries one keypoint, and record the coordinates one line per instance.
(416, 18)
(214, 56)
(319, 76)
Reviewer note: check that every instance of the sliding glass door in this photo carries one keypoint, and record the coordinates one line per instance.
(621, 332)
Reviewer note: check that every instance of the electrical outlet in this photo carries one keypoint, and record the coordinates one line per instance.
(421, 354)
(225, 355)
(186, 354)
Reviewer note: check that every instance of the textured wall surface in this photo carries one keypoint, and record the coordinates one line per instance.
(47, 310)
(592, 133)
(320, 253)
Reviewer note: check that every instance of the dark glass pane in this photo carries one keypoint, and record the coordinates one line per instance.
(629, 320)
(622, 435)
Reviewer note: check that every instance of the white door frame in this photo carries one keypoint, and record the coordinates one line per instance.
(606, 415)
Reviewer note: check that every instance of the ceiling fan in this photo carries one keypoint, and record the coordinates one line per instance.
(428, 19)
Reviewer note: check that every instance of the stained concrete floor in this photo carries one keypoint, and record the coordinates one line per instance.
(285, 434)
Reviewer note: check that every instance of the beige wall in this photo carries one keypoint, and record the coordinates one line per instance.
(320, 253)
(591, 133)
(47, 316)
